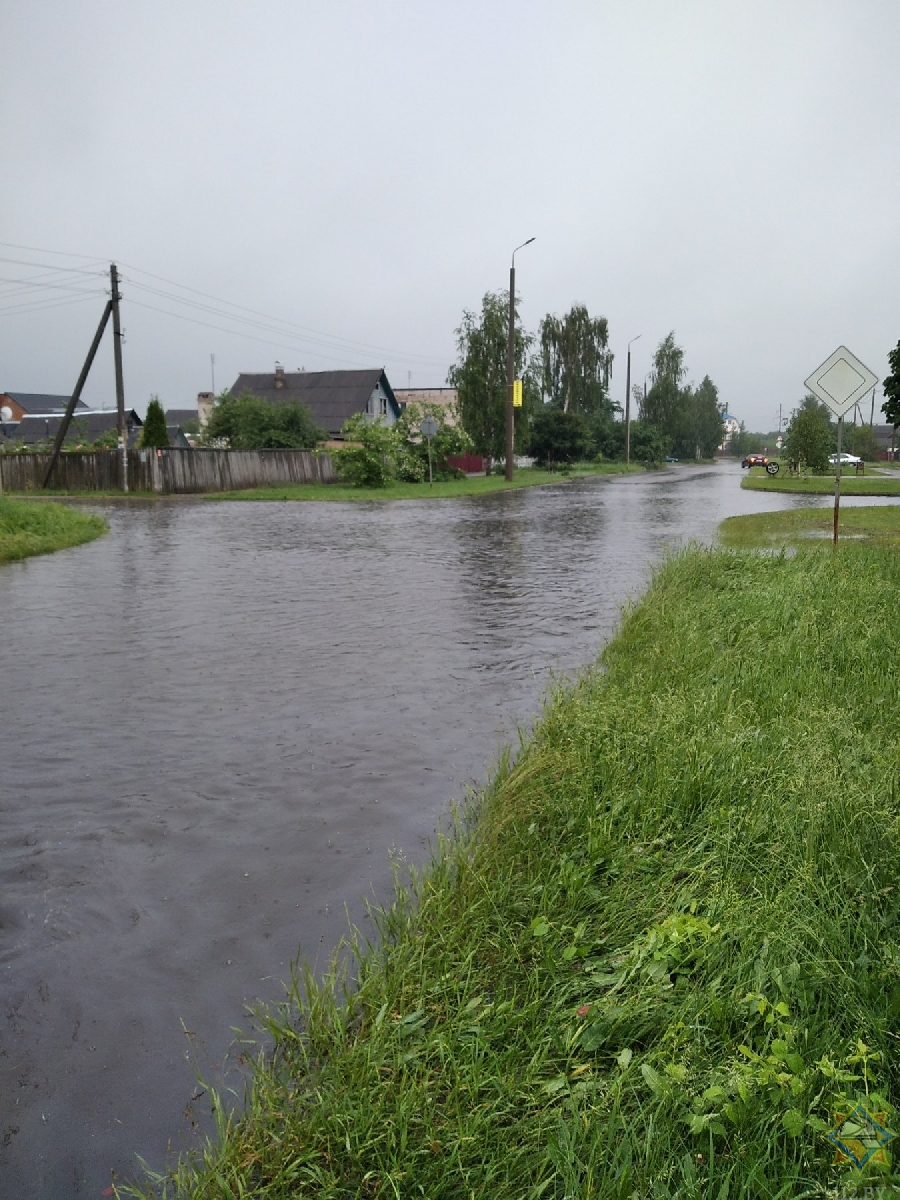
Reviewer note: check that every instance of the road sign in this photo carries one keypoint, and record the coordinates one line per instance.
(428, 427)
(841, 381)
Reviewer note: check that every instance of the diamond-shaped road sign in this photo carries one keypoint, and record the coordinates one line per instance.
(841, 381)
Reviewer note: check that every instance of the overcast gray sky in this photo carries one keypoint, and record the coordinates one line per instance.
(359, 173)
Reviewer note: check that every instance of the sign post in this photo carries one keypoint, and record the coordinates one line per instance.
(840, 383)
(428, 429)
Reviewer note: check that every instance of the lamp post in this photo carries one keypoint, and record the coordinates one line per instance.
(628, 403)
(511, 365)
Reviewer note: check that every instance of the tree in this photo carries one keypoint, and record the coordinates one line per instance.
(891, 385)
(480, 375)
(575, 360)
(369, 455)
(248, 422)
(709, 425)
(648, 444)
(154, 433)
(690, 417)
(661, 405)
(809, 438)
(558, 436)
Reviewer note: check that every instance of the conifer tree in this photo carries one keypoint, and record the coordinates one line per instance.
(154, 432)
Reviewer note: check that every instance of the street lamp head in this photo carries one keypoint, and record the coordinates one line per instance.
(634, 339)
(528, 243)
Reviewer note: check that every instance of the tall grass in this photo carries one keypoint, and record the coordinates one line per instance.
(37, 528)
(659, 955)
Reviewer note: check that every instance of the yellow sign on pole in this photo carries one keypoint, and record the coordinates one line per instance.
(517, 393)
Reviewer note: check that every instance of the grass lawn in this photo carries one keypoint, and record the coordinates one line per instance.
(880, 523)
(27, 528)
(476, 485)
(663, 951)
(816, 485)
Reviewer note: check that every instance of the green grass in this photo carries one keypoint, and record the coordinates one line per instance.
(27, 528)
(661, 951)
(788, 527)
(476, 485)
(815, 485)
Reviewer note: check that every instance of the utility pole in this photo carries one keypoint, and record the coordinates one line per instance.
(76, 395)
(511, 366)
(628, 402)
(120, 383)
(212, 371)
(872, 414)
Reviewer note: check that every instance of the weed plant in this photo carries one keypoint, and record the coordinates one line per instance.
(661, 953)
(27, 528)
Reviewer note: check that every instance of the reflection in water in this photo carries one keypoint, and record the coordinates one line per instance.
(215, 725)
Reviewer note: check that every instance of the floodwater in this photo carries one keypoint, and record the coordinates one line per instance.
(215, 726)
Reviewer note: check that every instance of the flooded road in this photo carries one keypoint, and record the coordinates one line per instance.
(217, 722)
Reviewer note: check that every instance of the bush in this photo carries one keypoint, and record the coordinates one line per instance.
(809, 439)
(369, 457)
(248, 422)
(558, 437)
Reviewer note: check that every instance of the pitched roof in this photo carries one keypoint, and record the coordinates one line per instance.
(178, 416)
(40, 402)
(331, 396)
(85, 427)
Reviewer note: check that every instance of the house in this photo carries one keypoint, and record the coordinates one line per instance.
(176, 419)
(86, 427)
(887, 440)
(732, 427)
(25, 404)
(331, 396)
(446, 397)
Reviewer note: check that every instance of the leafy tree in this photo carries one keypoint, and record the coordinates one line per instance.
(558, 436)
(649, 444)
(480, 375)
(860, 440)
(891, 385)
(809, 438)
(369, 455)
(709, 426)
(744, 442)
(575, 360)
(154, 433)
(249, 422)
(690, 417)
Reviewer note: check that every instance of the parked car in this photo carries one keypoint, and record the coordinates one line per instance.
(669, 458)
(754, 460)
(847, 460)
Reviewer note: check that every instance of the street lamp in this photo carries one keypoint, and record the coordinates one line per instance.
(628, 403)
(511, 364)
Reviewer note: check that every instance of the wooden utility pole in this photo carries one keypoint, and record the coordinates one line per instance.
(120, 384)
(76, 395)
(511, 367)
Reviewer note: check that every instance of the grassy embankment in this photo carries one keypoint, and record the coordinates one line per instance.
(793, 526)
(666, 951)
(27, 529)
(817, 485)
(476, 485)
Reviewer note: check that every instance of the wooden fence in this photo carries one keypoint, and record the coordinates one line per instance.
(166, 471)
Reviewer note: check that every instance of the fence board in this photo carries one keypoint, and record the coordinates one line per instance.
(168, 472)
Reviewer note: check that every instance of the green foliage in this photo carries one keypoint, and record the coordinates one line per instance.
(248, 422)
(860, 440)
(690, 417)
(891, 385)
(649, 444)
(809, 438)
(575, 361)
(28, 528)
(558, 436)
(154, 433)
(660, 953)
(369, 456)
(480, 375)
(450, 440)
(744, 443)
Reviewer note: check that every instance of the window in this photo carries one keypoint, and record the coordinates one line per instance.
(382, 406)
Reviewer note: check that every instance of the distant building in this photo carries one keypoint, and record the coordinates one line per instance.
(27, 404)
(85, 428)
(732, 427)
(331, 396)
(445, 396)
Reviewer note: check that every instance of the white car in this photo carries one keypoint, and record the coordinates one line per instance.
(847, 460)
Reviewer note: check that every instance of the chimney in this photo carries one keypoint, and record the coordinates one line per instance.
(279, 375)
(206, 402)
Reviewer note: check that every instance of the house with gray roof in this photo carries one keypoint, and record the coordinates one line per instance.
(85, 428)
(25, 404)
(331, 396)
